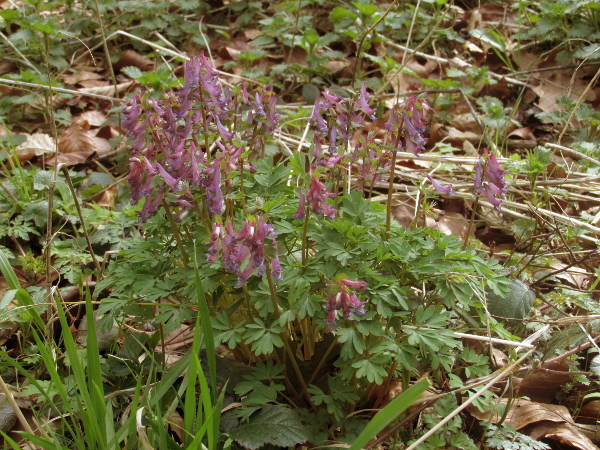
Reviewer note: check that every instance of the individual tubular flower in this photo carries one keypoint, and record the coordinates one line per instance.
(440, 187)
(343, 298)
(215, 202)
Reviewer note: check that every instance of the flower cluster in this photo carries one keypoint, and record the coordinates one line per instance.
(489, 179)
(316, 197)
(371, 160)
(244, 253)
(166, 154)
(337, 119)
(407, 123)
(343, 298)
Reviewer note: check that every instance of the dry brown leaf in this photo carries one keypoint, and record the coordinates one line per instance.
(102, 145)
(565, 433)
(453, 224)
(252, 33)
(543, 386)
(7, 67)
(108, 91)
(83, 75)
(71, 159)
(106, 199)
(525, 133)
(94, 118)
(95, 83)
(524, 412)
(590, 412)
(132, 58)
(36, 144)
(77, 138)
(177, 425)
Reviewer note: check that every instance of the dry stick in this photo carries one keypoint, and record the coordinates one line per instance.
(62, 90)
(503, 373)
(107, 56)
(579, 102)
(574, 152)
(411, 52)
(364, 36)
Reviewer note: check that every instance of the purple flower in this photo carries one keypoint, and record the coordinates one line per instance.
(362, 103)
(215, 202)
(359, 285)
(243, 253)
(171, 182)
(317, 197)
(492, 181)
(496, 202)
(439, 187)
(408, 121)
(299, 214)
(340, 298)
(478, 172)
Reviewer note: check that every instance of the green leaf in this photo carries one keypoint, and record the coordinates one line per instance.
(595, 365)
(515, 304)
(132, 72)
(310, 92)
(275, 425)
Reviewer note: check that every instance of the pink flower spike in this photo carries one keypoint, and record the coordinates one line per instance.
(439, 187)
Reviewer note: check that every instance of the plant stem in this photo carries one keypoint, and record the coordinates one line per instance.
(286, 344)
(304, 237)
(471, 221)
(184, 256)
(388, 213)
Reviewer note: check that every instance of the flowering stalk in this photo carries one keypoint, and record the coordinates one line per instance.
(490, 181)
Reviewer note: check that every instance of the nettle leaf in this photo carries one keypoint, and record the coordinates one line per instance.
(275, 425)
(516, 304)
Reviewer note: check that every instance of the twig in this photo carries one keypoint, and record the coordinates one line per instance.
(63, 90)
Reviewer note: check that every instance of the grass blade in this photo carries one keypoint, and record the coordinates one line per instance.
(392, 410)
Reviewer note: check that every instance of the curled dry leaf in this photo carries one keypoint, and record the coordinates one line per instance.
(548, 421)
(565, 433)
